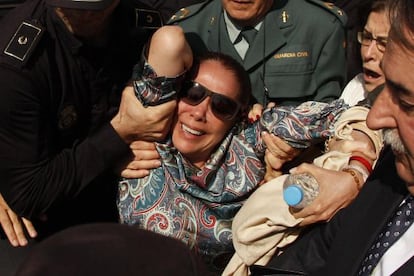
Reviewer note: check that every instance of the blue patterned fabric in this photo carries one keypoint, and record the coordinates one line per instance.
(191, 204)
(303, 125)
(151, 89)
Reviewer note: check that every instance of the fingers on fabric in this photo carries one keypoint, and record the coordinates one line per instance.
(158, 123)
(130, 173)
(136, 122)
(145, 155)
(7, 226)
(272, 161)
(11, 225)
(255, 112)
(142, 145)
(30, 228)
(146, 158)
(279, 148)
(18, 228)
(144, 164)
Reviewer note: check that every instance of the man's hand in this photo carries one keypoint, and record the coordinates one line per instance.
(136, 122)
(145, 158)
(13, 225)
(278, 152)
(336, 190)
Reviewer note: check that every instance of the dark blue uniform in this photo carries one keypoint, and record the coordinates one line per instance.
(58, 151)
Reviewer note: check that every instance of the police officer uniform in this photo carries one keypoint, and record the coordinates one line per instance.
(297, 55)
(167, 8)
(57, 148)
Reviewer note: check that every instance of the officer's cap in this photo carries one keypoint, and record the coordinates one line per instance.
(81, 4)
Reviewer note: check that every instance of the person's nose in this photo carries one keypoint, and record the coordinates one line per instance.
(371, 51)
(383, 113)
(199, 111)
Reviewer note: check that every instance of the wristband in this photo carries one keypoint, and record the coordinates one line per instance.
(359, 170)
(363, 161)
(354, 175)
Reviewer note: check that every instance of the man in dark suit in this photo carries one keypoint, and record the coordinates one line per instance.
(343, 246)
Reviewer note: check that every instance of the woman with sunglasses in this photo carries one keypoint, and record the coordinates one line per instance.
(211, 161)
(198, 189)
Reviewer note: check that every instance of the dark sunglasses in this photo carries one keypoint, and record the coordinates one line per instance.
(223, 107)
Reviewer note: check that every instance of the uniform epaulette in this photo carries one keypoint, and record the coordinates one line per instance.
(329, 6)
(148, 19)
(23, 41)
(187, 12)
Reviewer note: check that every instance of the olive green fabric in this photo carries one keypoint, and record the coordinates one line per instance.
(298, 52)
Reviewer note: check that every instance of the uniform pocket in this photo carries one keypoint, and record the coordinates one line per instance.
(290, 73)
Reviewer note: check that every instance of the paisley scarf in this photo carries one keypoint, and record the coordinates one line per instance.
(191, 204)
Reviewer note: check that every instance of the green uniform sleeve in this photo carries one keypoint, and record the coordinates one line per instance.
(330, 70)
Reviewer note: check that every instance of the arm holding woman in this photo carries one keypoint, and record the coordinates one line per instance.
(341, 171)
(265, 223)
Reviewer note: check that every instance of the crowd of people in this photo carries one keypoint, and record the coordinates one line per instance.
(183, 118)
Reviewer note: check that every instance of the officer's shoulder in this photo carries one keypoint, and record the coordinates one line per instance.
(23, 41)
(189, 11)
(20, 41)
(330, 8)
(20, 34)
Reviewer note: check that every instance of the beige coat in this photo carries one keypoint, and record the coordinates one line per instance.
(264, 224)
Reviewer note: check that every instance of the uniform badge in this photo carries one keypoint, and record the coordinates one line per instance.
(148, 19)
(67, 117)
(284, 16)
(182, 13)
(212, 20)
(24, 40)
(329, 5)
(332, 6)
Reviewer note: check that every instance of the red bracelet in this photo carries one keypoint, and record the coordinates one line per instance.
(363, 161)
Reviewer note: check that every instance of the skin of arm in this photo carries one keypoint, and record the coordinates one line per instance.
(170, 62)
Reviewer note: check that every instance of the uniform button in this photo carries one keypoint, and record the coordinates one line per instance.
(67, 117)
(22, 40)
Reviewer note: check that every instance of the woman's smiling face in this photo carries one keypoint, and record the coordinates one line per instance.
(197, 130)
